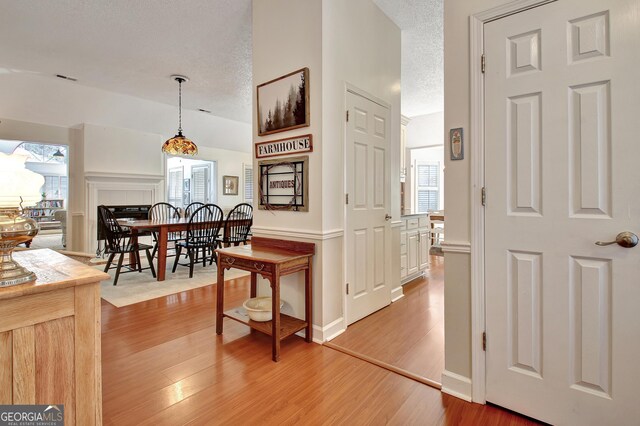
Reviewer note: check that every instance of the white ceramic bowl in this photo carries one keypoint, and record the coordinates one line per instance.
(259, 308)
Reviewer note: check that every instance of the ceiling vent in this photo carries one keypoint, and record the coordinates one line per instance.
(64, 77)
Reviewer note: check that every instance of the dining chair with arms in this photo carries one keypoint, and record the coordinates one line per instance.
(202, 229)
(162, 212)
(237, 226)
(119, 241)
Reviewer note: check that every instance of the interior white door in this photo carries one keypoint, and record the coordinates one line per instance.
(562, 150)
(368, 242)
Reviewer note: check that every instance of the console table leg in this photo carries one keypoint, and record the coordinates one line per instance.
(254, 283)
(219, 298)
(308, 304)
(275, 320)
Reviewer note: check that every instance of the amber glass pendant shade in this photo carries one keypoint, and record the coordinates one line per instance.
(179, 145)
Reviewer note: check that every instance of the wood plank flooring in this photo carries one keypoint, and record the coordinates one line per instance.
(409, 333)
(163, 364)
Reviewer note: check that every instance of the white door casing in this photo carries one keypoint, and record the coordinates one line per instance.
(368, 238)
(561, 102)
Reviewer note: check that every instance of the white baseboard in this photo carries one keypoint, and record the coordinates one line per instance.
(397, 294)
(456, 385)
(329, 331)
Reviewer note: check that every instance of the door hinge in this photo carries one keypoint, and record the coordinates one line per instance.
(347, 288)
(347, 116)
(484, 340)
(346, 198)
(484, 196)
(482, 63)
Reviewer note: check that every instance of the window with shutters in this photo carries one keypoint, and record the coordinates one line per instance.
(200, 183)
(175, 186)
(427, 186)
(248, 184)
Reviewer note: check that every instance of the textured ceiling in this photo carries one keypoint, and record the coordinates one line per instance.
(133, 46)
(421, 22)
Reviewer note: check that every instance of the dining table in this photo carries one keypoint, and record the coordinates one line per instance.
(162, 228)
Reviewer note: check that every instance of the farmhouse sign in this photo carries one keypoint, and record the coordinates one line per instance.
(286, 146)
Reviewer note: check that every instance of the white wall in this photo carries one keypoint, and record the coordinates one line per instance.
(49, 100)
(457, 182)
(287, 35)
(122, 151)
(360, 47)
(340, 42)
(426, 130)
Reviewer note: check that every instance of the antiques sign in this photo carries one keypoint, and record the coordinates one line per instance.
(286, 146)
(284, 184)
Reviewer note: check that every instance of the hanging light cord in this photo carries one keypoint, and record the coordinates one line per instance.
(179, 106)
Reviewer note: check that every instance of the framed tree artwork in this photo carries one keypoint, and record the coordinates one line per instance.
(283, 103)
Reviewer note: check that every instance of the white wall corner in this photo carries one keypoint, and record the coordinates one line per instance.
(329, 331)
(456, 385)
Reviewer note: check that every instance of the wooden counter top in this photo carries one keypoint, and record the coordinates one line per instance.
(53, 271)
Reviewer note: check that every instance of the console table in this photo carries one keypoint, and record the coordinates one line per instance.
(271, 258)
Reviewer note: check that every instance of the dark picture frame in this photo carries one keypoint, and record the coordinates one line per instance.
(284, 184)
(230, 185)
(456, 143)
(283, 103)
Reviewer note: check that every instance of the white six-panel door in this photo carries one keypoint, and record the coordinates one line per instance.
(562, 172)
(368, 242)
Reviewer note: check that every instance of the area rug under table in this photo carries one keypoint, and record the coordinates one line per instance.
(135, 287)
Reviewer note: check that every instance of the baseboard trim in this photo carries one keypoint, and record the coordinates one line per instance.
(329, 331)
(384, 365)
(397, 294)
(456, 385)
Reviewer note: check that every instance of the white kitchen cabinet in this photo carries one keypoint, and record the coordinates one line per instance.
(415, 241)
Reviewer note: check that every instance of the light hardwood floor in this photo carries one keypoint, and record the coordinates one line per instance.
(409, 333)
(163, 364)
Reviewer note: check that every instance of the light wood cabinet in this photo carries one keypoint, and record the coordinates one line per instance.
(415, 242)
(50, 337)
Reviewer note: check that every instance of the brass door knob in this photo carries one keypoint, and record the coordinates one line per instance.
(624, 239)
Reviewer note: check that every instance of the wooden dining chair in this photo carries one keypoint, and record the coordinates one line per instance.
(192, 208)
(237, 226)
(162, 212)
(119, 241)
(202, 229)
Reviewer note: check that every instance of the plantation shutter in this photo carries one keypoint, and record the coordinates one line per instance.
(427, 186)
(175, 186)
(248, 184)
(199, 181)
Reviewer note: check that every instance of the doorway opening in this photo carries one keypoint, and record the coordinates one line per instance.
(51, 162)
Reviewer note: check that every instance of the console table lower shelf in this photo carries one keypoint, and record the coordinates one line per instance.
(288, 325)
(271, 258)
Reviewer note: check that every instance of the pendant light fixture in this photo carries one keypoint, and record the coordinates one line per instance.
(179, 145)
